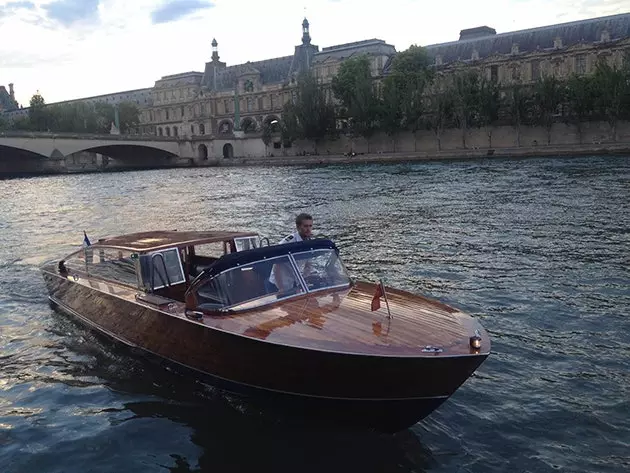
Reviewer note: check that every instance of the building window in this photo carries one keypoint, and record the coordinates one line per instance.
(182, 110)
(175, 131)
(226, 105)
(167, 117)
(494, 73)
(535, 65)
(260, 103)
(192, 129)
(202, 129)
(249, 104)
(516, 75)
(168, 131)
(160, 131)
(580, 64)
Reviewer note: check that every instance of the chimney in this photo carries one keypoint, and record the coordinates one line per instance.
(11, 92)
(478, 32)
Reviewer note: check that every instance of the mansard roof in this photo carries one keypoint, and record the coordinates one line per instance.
(272, 71)
(530, 40)
(348, 50)
(280, 70)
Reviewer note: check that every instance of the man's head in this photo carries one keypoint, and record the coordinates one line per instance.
(304, 224)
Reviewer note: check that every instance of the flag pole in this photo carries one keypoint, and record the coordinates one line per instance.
(389, 314)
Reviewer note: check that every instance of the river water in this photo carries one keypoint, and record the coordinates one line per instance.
(537, 249)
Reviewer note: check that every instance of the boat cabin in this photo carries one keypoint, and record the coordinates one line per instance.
(211, 271)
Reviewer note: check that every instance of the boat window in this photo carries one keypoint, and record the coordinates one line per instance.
(264, 282)
(106, 263)
(250, 282)
(213, 250)
(162, 268)
(321, 269)
(114, 265)
(246, 243)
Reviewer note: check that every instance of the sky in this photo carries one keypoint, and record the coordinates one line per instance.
(68, 49)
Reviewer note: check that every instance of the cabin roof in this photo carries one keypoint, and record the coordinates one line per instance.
(158, 240)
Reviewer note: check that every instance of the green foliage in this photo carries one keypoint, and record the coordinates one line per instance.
(315, 116)
(612, 85)
(354, 88)
(309, 116)
(403, 99)
(77, 117)
(267, 134)
(548, 95)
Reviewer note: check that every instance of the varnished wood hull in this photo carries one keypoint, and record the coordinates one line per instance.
(387, 393)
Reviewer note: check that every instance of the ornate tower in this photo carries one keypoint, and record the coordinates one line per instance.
(215, 50)
(306, 37)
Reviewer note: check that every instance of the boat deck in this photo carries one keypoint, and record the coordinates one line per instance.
(341, 322)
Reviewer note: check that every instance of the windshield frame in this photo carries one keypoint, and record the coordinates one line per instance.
(270, 298)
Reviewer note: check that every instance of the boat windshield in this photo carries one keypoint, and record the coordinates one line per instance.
(265, 281)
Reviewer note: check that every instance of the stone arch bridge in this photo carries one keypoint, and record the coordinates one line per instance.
(39, 152)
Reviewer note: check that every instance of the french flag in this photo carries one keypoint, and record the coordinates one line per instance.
(86, 240)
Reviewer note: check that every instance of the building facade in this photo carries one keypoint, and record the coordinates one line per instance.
(523, 57)
(227, 101)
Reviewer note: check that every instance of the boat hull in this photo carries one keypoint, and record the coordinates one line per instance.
(382, 392)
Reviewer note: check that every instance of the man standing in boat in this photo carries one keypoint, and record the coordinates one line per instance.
(304, 225)
(280, 277)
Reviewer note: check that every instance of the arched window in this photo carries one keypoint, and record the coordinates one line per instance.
(168, 131)
(174, 131)
(202, 129)
(160, 132)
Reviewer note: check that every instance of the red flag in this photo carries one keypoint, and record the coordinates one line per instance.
(376, 300)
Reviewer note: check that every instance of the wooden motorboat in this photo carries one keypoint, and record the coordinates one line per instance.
(280, 322)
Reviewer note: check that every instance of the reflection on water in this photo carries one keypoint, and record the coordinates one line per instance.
(537, 249)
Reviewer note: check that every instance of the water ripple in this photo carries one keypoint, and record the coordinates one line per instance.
(537, 249)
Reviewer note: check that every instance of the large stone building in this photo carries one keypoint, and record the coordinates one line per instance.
(226, 101)
(525, 56)
(224, 104)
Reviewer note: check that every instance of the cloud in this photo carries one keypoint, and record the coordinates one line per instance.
(68, 12)
(12, 8)
(173, 10)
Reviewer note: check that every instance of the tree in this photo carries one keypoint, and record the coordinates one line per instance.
(580, 95)
(316, 117)
(37, 113)
(391, 112)
(519, 105)
(266, 135)
(612, 89)
(489, 102)
(548, 95)
(403, 100)
(354, 87)
(441, 113)
(128, 114)
(289, 126)
(466, 92)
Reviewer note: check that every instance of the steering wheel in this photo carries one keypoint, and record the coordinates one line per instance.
(315, 280)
